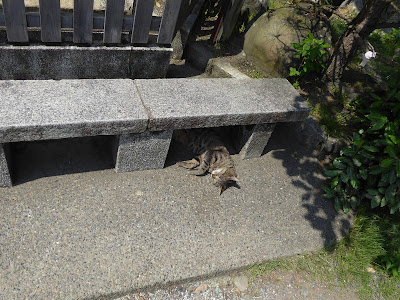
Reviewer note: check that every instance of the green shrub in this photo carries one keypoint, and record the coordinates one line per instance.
(338, 26)
(385, 43)
(313, 56)
(370, 167)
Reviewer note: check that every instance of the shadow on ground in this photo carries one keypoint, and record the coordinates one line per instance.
(306, 172)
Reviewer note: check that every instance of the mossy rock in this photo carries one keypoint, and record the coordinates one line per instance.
(268, 42)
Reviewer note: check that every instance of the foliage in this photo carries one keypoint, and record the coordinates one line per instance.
(357, 261)
(370, 167)
(337, 26)
(313, 56)
(275, 4)
(243, 20)
(385, 43)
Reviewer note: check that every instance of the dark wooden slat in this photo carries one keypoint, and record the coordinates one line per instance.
(33, 20)
(142, 21)
(83, 21)
(113, 21)
(50, 20)
(15, 20)
(2, 21)
(168, 22)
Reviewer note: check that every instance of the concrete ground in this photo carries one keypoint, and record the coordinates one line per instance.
(73, 228)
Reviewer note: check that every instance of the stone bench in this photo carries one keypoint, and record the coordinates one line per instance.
(142, 113)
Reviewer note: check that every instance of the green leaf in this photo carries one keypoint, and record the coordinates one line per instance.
(333, 173)
(386, 162)
(366, 154)
(337, 204)
(394, 139)
(338, 164)
(376, 117)
(383, 202)
(375, 201)
(355, 183)
(375, 170)
(354, 202)
(398, 168)
(395, 273)
(390, 193)
(348, 151)
(293, 72)
(350, 173)
(346, 207)
(329, 193)
(373, 192)
(371, 148)
(335, 182)
(357, 162)
(391, 150)
(378, 125)
(344, 177)
(392, 177)
(363, 174)
(394, 208)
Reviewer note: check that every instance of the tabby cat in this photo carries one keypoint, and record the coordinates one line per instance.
(212, 156)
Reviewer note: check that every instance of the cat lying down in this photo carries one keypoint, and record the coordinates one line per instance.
(213, 157)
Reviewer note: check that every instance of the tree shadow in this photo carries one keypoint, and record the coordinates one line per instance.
(306, 173)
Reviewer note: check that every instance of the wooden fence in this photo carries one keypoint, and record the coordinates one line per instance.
(83, 22)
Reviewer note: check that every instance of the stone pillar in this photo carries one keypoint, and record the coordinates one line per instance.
(5, 178)
(254, 139)
(142, 151)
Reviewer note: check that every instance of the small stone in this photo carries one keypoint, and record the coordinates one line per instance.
(139, 193)
(371, 270)
(201, 288)
(241, 282)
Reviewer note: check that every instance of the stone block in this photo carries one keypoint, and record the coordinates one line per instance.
(72, 62)
(142, 151)
(254, 140)
(5, 178)
(212, 102)
(48, 109)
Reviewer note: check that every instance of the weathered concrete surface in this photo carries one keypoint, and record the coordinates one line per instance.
(49, 109)
(255, 140)
(97, 233)
(193, 103)
(150, 62)
(142, 151)
(222, 68)
(72, 62)
(5, 178)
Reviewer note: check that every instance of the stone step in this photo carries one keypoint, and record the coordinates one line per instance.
(93, 233)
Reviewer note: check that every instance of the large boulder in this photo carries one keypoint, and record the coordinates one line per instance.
(268, 42)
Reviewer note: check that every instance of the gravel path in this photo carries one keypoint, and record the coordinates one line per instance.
(278, 285)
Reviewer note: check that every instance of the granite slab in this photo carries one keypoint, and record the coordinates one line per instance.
(50, 109)
(211, 102)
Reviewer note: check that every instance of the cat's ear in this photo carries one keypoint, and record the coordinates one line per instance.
(223, 188)
(233, 178)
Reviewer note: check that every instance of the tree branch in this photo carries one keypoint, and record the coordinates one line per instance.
(395, 7)
(328, 10)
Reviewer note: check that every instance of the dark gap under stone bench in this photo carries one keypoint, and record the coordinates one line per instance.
(143, 113)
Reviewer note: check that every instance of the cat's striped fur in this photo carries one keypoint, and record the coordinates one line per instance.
(212, 156)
